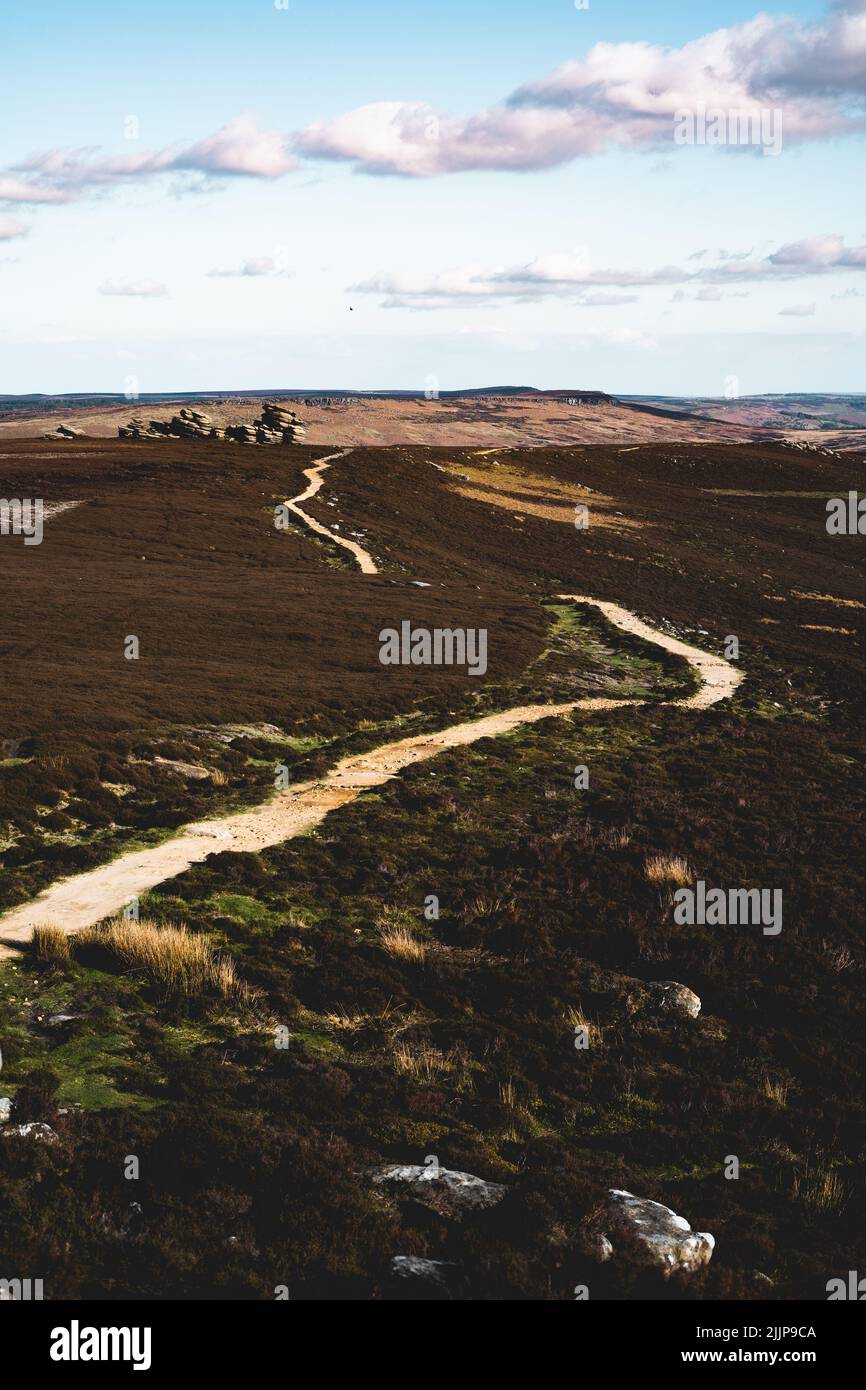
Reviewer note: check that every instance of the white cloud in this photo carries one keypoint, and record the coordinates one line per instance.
(256, 267)
(798, 311)
(820, 252)
(135, 289)
(624, 94)
(571, 275)
(23, 191)
(10, 227)
(239, 149)
(603, 298)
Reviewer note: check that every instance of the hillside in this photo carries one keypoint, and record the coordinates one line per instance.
(347, 1028)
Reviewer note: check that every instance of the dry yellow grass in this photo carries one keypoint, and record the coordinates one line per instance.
(577, 1019)
(397, 935)
(51, 944)
(218, 777)
(552, 510)
(824, 1191)
(386, 1021)
(399, 941)
(615, 836)
(823, 627)
(776, 1091)
(508, 1094)
(426, 1064)
(422, 1062)
(346, 1023)
(668, 868)
(829, 598)
(172, 956)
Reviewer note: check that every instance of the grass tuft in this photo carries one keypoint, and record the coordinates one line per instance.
(397, 937)
(179, 960)
(51, 944)
(668, 868)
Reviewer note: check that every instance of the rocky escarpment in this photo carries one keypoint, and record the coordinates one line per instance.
(276, 425)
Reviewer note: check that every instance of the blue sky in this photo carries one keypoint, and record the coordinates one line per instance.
(231, 195)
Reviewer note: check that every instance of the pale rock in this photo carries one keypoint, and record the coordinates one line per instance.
(446, 1190)
(668, 1241)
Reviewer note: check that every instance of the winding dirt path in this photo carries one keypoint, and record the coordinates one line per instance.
(316, 475)
(89, 897)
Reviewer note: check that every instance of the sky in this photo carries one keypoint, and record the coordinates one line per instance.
(204, 195)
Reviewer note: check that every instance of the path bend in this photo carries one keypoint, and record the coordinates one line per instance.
(87, 898)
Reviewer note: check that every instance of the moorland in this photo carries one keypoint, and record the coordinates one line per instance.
(410, 1036)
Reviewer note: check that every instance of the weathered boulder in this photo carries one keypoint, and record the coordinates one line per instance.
(667, 1240)
(34, 1130)
(444, 1190)
(193, 770)
(672, 997)
(64, 432)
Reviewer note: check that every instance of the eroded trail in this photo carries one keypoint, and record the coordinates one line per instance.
(316, 475)
(86, 899)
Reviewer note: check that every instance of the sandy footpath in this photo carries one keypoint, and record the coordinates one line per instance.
(316, 475)
(87, 898)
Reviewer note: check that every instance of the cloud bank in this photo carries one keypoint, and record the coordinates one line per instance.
(625, 95)
(238, 150)
(572, 276)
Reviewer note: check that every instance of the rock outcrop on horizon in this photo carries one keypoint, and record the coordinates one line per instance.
(276, 425)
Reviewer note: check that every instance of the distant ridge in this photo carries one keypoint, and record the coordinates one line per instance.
(108, 398)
